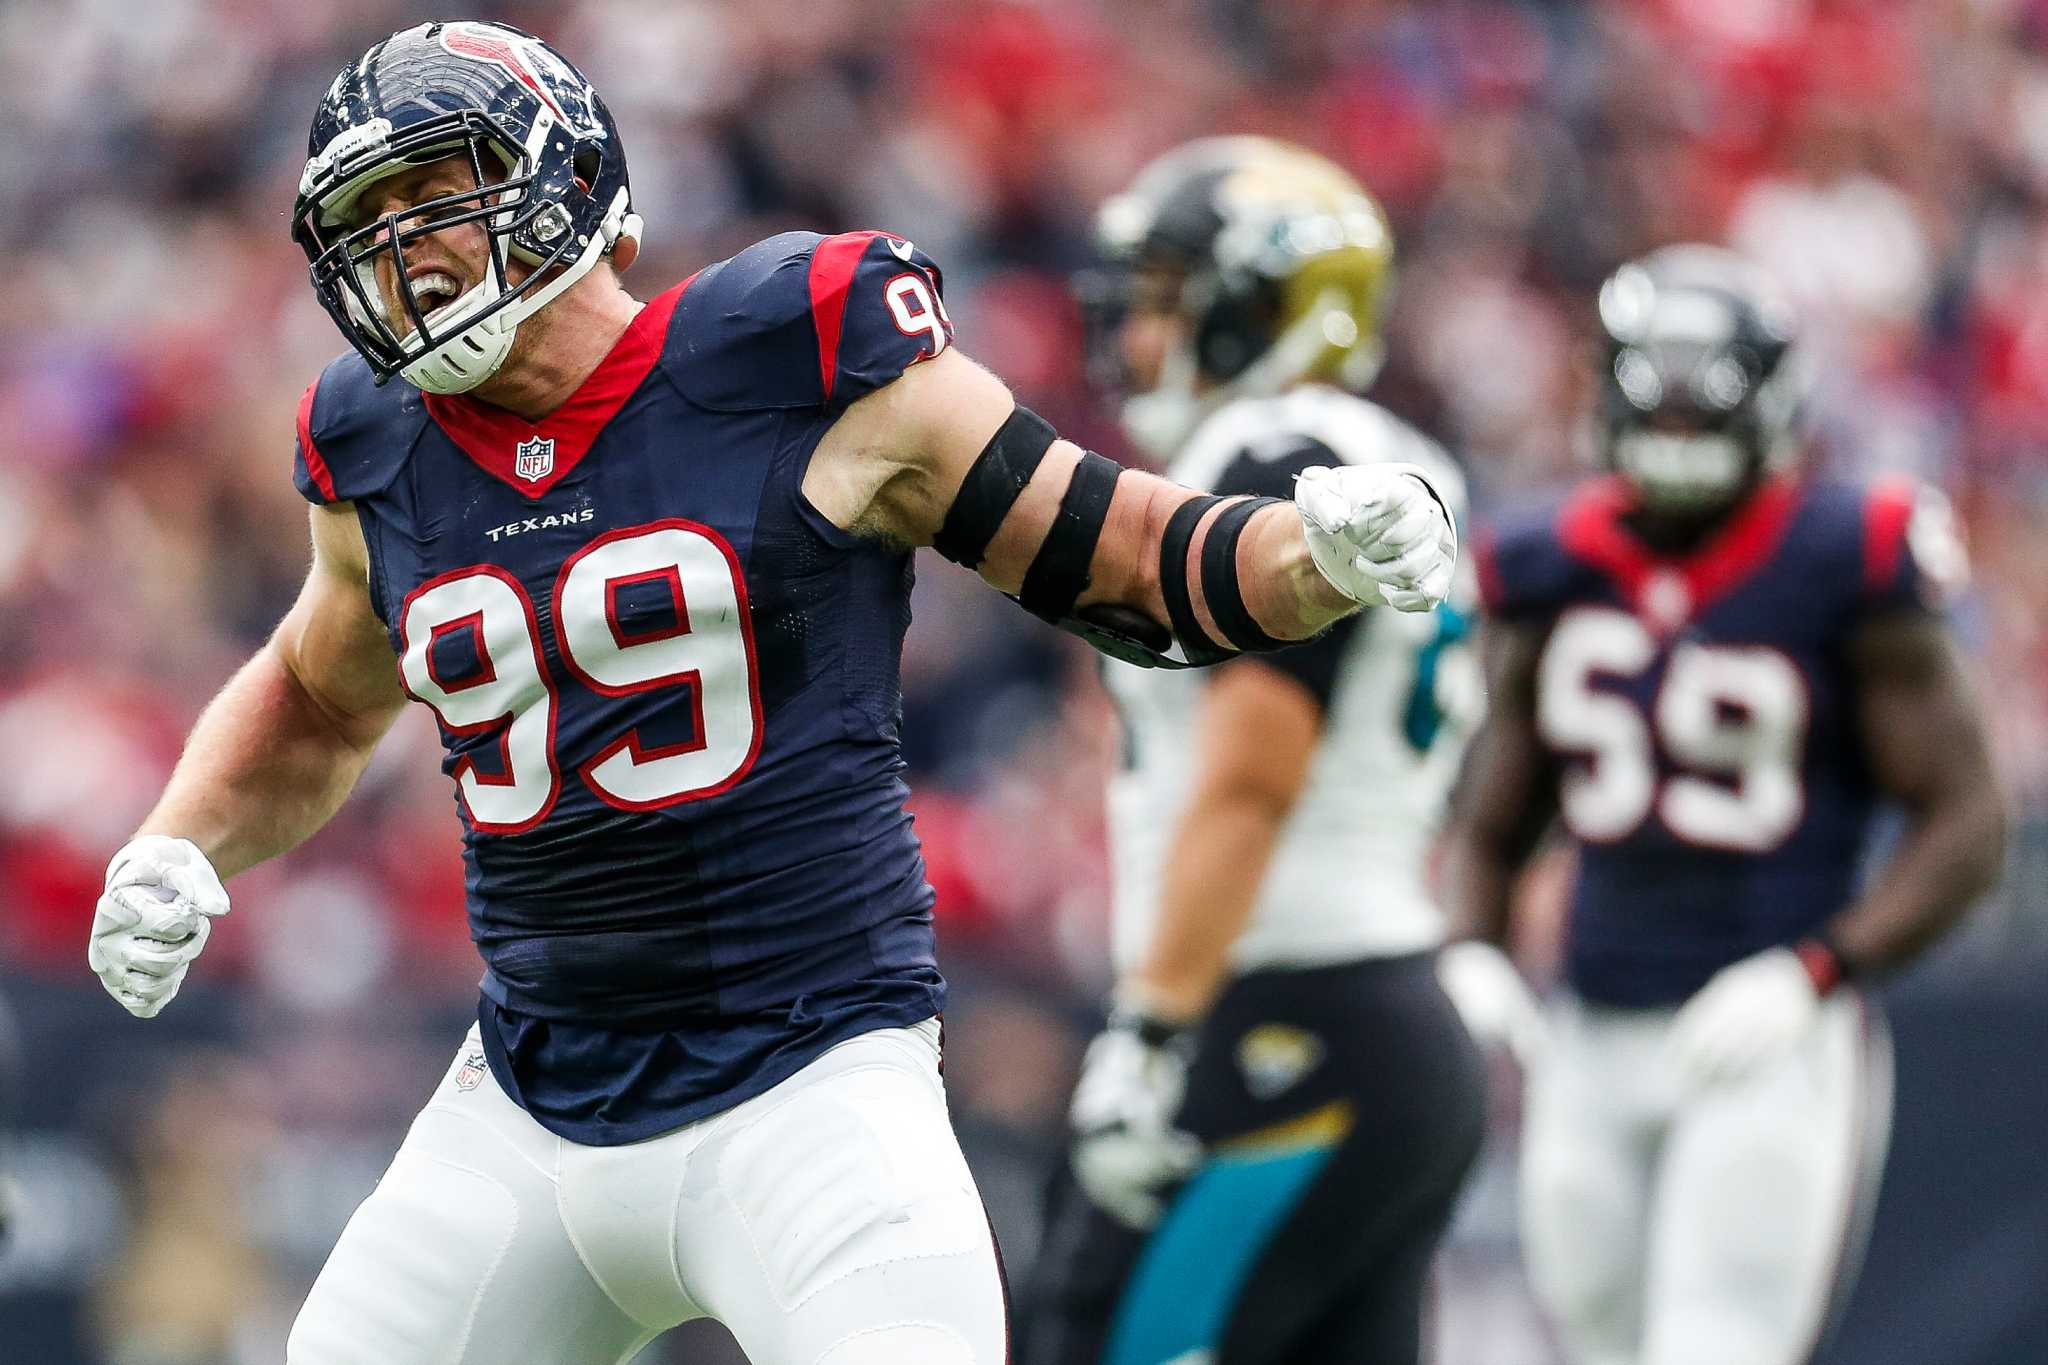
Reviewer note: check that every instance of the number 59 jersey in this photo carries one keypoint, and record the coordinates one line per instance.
(1702, 717)
(666, 686)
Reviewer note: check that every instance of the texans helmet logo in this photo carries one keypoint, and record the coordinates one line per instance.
(486, 45)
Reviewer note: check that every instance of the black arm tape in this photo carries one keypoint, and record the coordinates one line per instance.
(1219, 578)
(1059, 571)
(992, 486)
(1173, 580)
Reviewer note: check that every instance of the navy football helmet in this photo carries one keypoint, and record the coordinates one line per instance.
(551, 190)
(1703, 386)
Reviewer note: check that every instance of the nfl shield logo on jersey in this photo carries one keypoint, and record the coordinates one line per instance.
(470, 1074)
(535, 459)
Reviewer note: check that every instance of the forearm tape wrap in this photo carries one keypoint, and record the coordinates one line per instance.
(1220, 588)
(992, 486)
(1059, 572)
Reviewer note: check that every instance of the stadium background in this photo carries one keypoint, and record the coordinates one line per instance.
(184, 1177)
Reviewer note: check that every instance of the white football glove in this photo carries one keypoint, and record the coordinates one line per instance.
(1749, 1013)
(160, 902)
(1127, 1152)
(1379, 533)
(1495, 1002)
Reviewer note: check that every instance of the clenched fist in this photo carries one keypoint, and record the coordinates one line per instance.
(1379, 533)
(160, 902)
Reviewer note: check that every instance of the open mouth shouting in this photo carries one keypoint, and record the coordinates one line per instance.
(433, 289)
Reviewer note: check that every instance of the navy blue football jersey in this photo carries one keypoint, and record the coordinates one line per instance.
(1703, 720)
(666, 685)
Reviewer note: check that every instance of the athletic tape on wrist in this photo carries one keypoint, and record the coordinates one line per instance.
(1823, 961)
(1220, 587)
(1173, 580)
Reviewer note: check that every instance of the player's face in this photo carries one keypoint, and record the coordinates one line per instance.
(442, 265)
(1153, 326)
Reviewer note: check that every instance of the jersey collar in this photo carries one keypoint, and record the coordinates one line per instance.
(1670, 590)
(534, 456)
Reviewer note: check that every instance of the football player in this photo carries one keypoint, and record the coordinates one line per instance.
(648, 564)
(1715, 669)
(1270, 1134)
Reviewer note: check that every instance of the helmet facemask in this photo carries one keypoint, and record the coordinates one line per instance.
(464, 341)
(1158, 410)
(1703, 385)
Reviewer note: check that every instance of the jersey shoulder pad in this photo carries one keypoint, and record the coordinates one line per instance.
(801, 320)
(1891, 543)
(1526, 571)
(353, 434)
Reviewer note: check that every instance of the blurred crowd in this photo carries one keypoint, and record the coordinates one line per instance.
(1888, 160)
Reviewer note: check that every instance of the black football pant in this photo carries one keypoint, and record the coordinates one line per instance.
(1342, 1107)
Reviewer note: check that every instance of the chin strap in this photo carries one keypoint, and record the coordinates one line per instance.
(627, 229)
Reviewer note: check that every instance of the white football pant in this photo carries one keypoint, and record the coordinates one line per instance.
(1711, 1227)
(830, 1221)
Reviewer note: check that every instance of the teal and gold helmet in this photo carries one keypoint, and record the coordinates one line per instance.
(1278, 260)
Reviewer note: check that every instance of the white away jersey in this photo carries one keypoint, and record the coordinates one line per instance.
(1399, 691)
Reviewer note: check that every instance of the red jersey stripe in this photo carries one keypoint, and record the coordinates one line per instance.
(833, 262)
(316, 466)
(1592, 531)
(1885, 514)
(491, 435)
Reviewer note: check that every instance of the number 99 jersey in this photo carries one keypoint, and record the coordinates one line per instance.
(666, 686)
(1701, 716)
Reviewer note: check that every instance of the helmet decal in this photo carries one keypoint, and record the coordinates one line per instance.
(488, 45)
(558, 85)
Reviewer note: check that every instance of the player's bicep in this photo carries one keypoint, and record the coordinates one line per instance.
(331, 640)
(1923, 732)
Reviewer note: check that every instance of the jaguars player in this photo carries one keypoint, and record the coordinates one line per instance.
(1714, 669)
(1270, 1133)
(649, 566)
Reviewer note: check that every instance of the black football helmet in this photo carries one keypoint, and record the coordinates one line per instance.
(1280, 262)
(1702, 386)
(551, 190)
